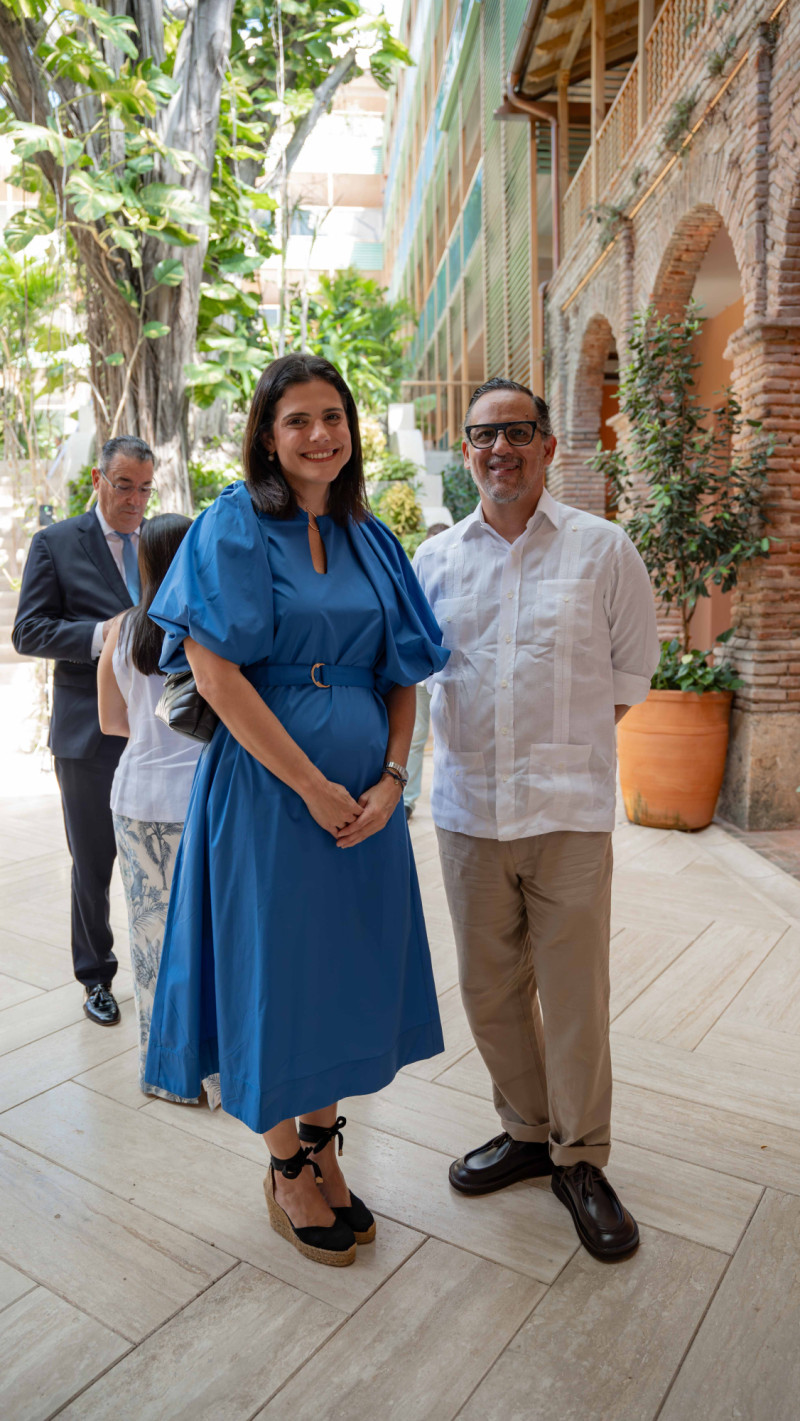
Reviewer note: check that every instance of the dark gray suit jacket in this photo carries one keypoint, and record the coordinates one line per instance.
(70, 583)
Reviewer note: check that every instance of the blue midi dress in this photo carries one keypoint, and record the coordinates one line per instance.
(298, 970)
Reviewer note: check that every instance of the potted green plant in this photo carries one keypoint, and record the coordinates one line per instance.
(691, 497)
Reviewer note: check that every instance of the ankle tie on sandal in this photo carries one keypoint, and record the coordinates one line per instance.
(318, 1136)
(293, 1168)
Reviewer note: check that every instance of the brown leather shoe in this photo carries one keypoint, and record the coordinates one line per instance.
(603, 1224)
(498, 1163)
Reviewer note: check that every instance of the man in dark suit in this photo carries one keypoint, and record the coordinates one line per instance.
(79, 575)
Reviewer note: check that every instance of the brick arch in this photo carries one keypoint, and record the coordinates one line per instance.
(587, 390)
(682, 259)
(786, 295)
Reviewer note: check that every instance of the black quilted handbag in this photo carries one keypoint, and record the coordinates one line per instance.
(182, 708)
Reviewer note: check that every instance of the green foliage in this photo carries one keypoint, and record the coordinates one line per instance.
(459, 491)
(352, 322)
(693, 508)
(398, 508)
(680, 670)
(609, 219)
(678, 125)
(36, 355)
(717, 59)
(79, 491)
(390, 468)
(208, 477)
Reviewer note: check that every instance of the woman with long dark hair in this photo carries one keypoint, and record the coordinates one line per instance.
(295, 958)
(151, 786)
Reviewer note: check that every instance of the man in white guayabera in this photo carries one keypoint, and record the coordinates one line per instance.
(550, 620)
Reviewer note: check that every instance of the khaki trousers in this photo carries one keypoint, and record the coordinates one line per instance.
(532, 922)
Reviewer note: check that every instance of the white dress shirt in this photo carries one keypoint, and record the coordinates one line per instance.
(115, 545)
(547, 634)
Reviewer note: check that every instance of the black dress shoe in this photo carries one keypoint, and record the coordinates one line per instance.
(498, 1163)
(603, 1224)
(100, 1005)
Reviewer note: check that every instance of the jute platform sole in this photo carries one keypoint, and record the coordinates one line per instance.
(282, 1225)
(368, 1236)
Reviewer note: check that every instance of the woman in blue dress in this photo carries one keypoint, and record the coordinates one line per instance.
(295, 959)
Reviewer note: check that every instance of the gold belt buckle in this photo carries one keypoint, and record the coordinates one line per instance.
(323, 685)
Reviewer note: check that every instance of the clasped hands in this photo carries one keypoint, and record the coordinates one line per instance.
(351, 821)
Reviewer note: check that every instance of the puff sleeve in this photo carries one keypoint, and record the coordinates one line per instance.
(218, 589)
(412, 649)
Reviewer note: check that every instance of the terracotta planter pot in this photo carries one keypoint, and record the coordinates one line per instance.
(672, 752)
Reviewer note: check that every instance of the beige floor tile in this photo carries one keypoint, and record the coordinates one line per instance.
(51, 1011)
(118, 1079)
(470, 1075)
(702, 1077)
(124, 1267)
(745, 1361)
(772, 995)
(51, 925)
(523, 1228)
(35, 962)
(50, 1353)
(426, 1113)
(219, 1360)
(743, 861)
(209, 1192)
(698, 897)
(638, 957)
(216, 1127)
(45, 1063)
(671, 855)
(13, 1285)
(457, 1038)
(685, 1001)
(630, 840)
(417, 1348)
(784, 895)
(604, 1343)
(13, 991)
(751, 1045)
(740, 1145)
(683, 1198)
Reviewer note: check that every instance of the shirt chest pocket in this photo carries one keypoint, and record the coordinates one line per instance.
(563, 609)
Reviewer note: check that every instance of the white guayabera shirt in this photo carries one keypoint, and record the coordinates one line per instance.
(547, 635)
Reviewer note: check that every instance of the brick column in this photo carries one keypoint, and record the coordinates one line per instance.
(763, 769)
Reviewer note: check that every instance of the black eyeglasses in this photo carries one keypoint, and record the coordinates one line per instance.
(517, 432)
(145, 491)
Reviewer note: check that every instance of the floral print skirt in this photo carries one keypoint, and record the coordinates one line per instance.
(147, 854)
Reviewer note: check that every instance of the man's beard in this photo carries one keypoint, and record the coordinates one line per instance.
(504, 490)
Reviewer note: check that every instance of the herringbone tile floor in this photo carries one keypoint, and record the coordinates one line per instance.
(140, 1280)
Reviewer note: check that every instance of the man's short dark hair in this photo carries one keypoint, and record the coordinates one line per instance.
(500, 382)
(130, 447)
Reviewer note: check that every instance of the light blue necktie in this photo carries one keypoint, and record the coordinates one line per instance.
(131, 564)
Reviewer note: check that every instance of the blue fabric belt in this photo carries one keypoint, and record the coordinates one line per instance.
(320, 674)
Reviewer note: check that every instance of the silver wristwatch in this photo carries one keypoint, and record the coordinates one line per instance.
(398, 772)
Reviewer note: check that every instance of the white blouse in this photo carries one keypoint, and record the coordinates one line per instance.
(154, 776)
(547, 635)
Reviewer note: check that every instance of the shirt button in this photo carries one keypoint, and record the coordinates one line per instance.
(509, 594)
(505, 779)
(504, 684)
(508, 638)
(504, 730)
(566, 599)
(449, 619)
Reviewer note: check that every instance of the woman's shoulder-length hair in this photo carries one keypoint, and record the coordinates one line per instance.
(269, 490)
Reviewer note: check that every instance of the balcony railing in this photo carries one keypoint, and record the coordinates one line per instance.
(577, 201)
(617, 135)
(672, 37)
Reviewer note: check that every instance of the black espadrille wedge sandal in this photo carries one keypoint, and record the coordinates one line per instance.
(355, 1214)
(335, 1244)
